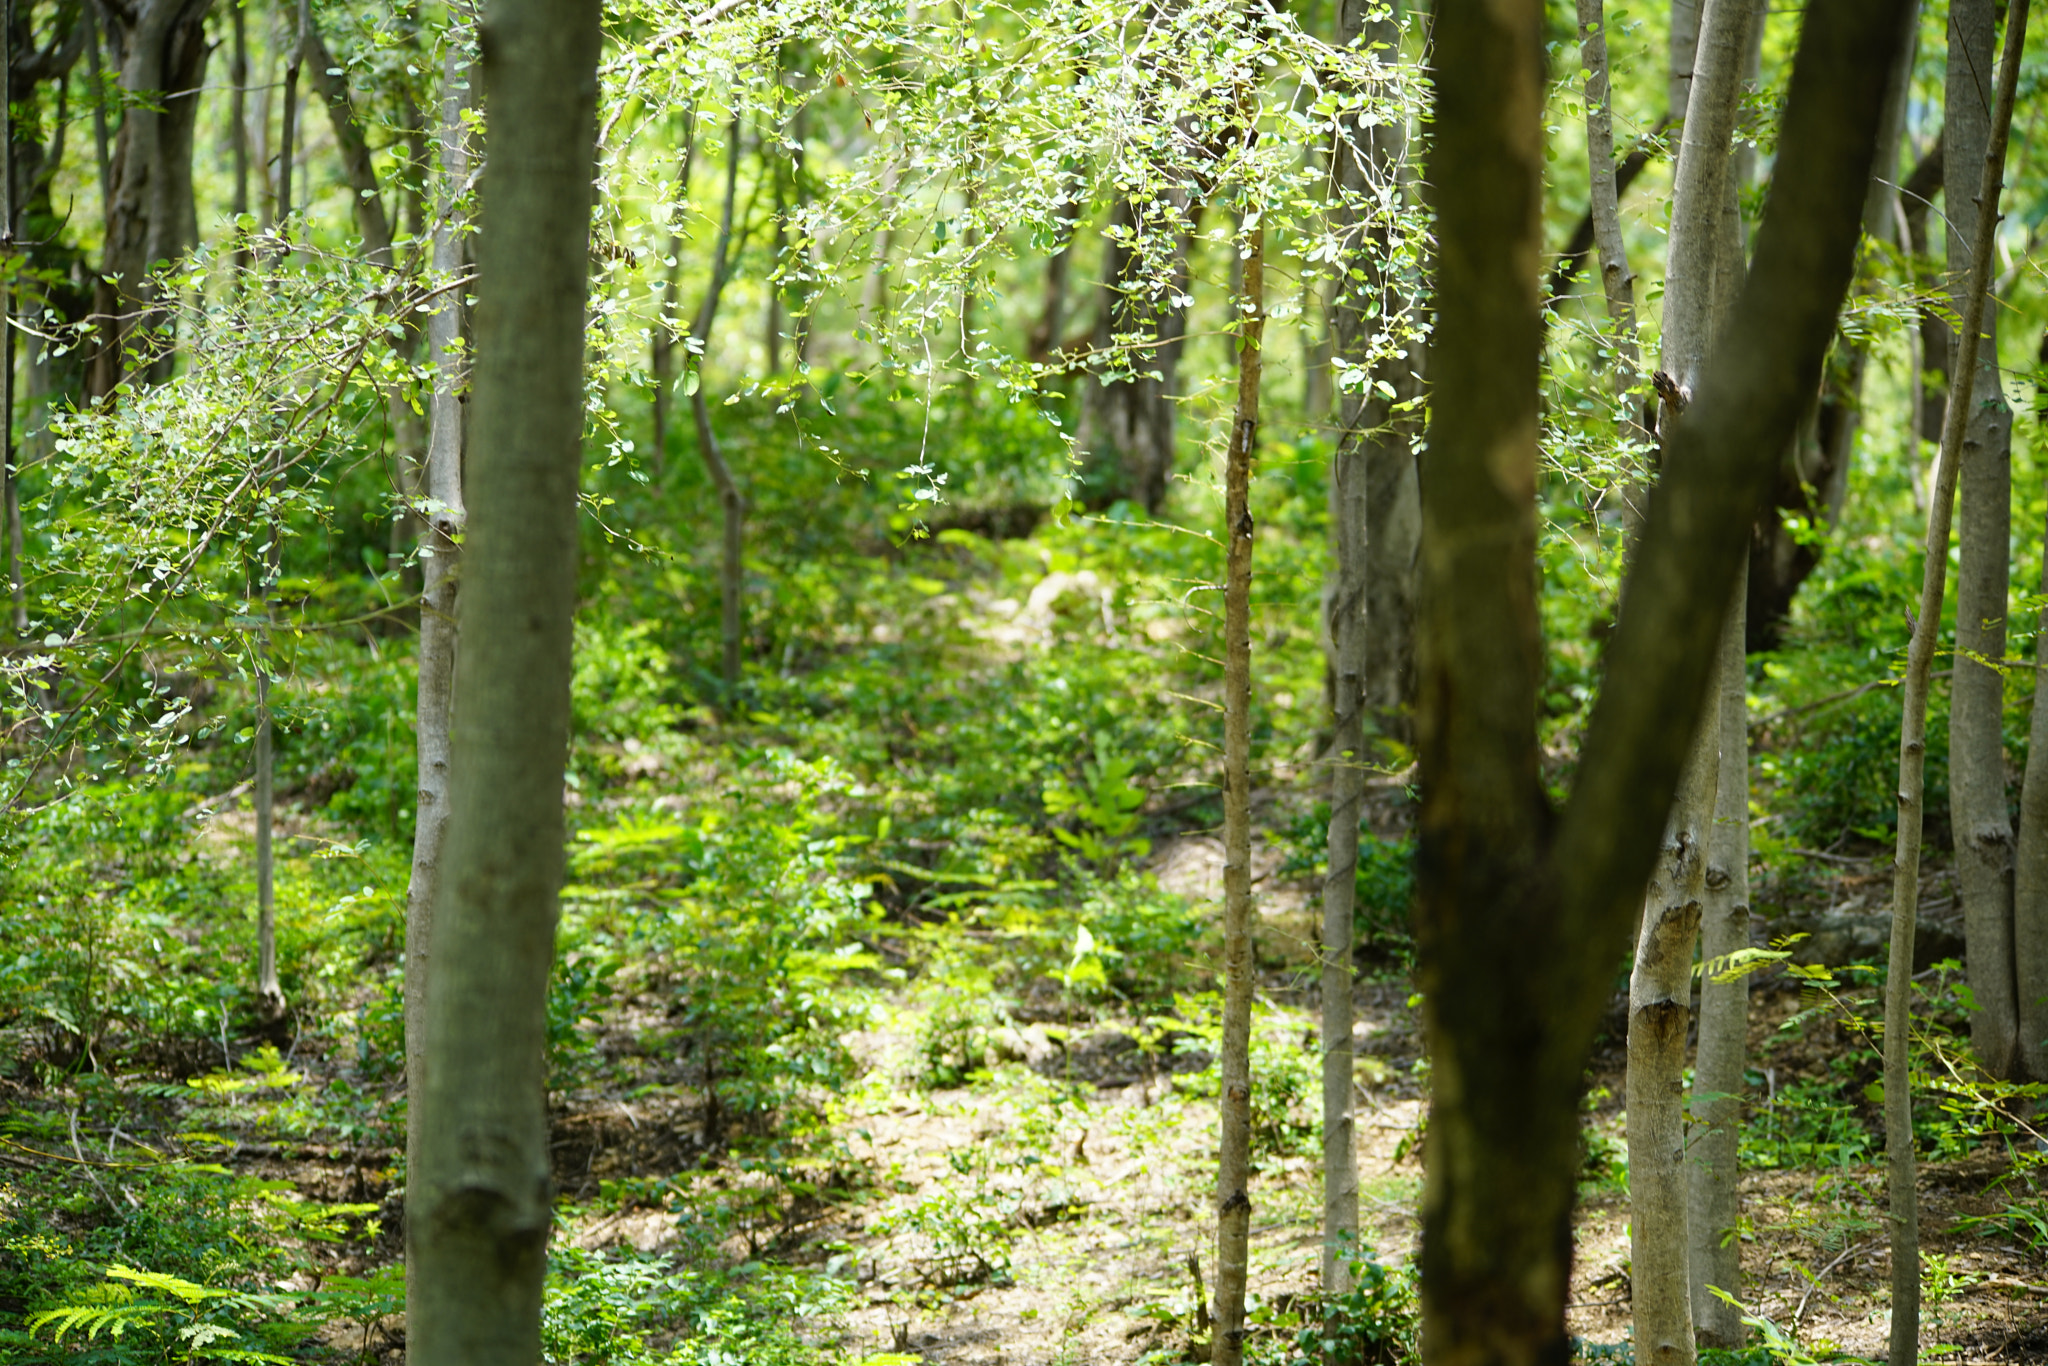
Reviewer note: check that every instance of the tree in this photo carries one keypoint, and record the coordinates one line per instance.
(1703, 258)
(160, 49)
(441, 517)
(1978, 812)
(1521, 912)
(479, 1210)
(1957, 422)
(1233, 1174)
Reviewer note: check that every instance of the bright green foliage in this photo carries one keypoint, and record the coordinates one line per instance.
(1374, 1323)
(626, 1310)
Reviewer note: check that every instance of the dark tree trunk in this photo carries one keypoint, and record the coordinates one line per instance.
(159, 48)
(1127, 425)
(1522, 913)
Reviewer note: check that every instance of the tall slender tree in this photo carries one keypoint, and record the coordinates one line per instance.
(478, 1205)
(1233, 1174)
(441, 515)
(1901, 1164)
(1660, 986)
(1979, 814)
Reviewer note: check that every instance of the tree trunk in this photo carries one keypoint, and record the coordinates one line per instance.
(1978, 813)
(732, 504)
(1814, 482)
(441, 515)
(371, 219)
(1379, 436)
(1372, 440)
(1917, 197)
(479, 1211)
(1713, 1200)
(1702, 262)
(1127, 426)
(662, 346)
(1233, 1167)
(2030, 883)
(1898, 998)
(1617, 280)
(160, 49)
(1521, 913)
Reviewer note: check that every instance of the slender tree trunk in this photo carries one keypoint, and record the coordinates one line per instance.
(1660, 989)
(1978, 812)
(1521, 911)
(479, 1211)
(1898, 998)
(1660, 986)
(2030, 883)
(270, 1002)
(1713, 1200)
(1814, 483)
(1683, 51)
(662, 346)
(1617, 280)
(1127, 426)
(238, 117)
(372, 221)
(442, 515)
(1380, 424)
(10, 494)
(1233, 1168)
(732, 504)
(1374, 440)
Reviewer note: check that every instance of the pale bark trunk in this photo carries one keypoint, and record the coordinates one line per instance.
(1370, 438)
(1713, 1208)
(1903, 1200)
(479, 1209)
(1703, 262)
(1978, 813)
(732, 504)
(1617, 281)
(662, 347)
(270, 1002)
(1683, 51)
(442, 516)
(1233, 1167)
(1521, 911)
(1659, 992)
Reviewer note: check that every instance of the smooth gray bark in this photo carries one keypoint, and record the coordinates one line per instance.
(1369, 442)
(1233, 1167)
(440, 513)
(1713, 1203)
(1660, 985)
(1902, 1195)
(478, 1209)
(1617, 280)
(1978, 811)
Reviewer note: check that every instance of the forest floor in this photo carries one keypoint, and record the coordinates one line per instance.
(1047, 1201)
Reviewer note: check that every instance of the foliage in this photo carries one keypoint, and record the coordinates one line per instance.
(1376, 1322)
